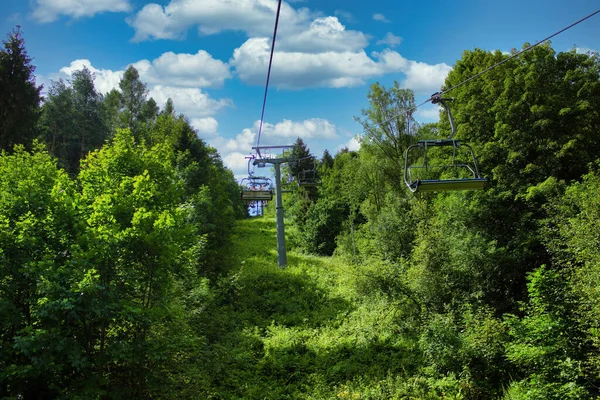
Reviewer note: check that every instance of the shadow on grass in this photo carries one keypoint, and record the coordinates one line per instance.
(271, 332)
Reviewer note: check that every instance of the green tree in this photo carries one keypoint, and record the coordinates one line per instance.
(302, 160)
(113, 102)
(58, 124)
(73, 120)
(133, 92)
(88, 104)
(389, 128)
(36, 231)
(19, 95)
(169, 107)
(326, 160)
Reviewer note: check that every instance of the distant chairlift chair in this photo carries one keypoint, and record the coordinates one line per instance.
(309, 178)
(256, 189)
(458, 175)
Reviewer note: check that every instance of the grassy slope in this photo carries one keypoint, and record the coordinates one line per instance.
(318, 329)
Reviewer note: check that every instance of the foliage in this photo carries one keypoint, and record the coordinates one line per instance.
(19, 95)
(73, 122)
(322, 225)
(122, 278)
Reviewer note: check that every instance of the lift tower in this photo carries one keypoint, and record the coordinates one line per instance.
(276, 162)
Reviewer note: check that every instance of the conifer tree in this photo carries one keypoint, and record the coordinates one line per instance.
(19, 96)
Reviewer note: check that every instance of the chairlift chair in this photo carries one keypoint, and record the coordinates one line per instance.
(256, 189)
(461, 173)
(309, 178)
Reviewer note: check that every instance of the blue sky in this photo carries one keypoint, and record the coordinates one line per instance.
(211, 56)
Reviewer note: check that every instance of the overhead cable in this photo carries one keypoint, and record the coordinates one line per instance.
(262, 116)
(409, 110)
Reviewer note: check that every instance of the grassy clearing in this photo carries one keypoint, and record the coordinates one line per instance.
(318, 329)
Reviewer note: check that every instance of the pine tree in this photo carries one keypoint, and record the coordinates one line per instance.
(19, 96)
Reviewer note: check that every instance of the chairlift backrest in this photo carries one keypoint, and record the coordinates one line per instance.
(462, 173)
(309, 177)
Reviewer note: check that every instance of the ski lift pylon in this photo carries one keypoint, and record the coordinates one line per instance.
(460, 174)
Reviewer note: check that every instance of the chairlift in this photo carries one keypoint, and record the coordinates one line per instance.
(461, 173)
(256, 188)
(309, 178)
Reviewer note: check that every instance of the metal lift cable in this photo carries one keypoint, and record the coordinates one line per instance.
(262, 116)
(407, 111)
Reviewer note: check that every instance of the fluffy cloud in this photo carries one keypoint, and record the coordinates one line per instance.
(50, 10)
(206, 127)
(331, 69)
(353, 144)
(190, 101)
(302, 32)
(255, 17)
(380, 18)
(323, 34)
(175, 80)
(421, 77)
(391, 40)
(585, 50)
(105, 81)
(197, 70)
(170, 69)
(285, 132)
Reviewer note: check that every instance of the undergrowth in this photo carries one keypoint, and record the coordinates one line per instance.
(317, 329)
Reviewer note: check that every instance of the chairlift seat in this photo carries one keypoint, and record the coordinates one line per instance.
(257, 195)
(432, 185)
(438, 142)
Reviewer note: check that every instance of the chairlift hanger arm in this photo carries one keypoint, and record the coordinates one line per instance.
(437, 98)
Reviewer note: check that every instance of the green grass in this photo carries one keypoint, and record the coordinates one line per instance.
(317, 329)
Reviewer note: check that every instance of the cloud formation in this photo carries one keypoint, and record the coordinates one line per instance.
(312, 50)
(380, 18)
(176, 76)
(50, 10)
(196, 70)
(285, 132)
(297, 70)
(391, 40)
(254, 17)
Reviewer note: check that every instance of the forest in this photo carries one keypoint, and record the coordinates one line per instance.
(130, 268)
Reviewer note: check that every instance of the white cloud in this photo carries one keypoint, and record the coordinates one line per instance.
(255, 17)
(285, 132)
(381, 18)
(353, 144)
(207, 127)
(105, 80)
(303, 31)
(297, 70)
(420, 77)
(198, 70)
(391, 40)
(50, 10)
(190, 101)
(344, 15)
(585, 50)
(430, 114)
(178, 76)
(323, 34)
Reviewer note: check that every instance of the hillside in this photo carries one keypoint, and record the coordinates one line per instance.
(315, 330)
